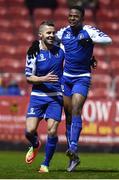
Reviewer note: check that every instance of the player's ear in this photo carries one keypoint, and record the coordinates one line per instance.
(40, 35)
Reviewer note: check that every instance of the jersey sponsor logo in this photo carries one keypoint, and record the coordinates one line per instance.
(41, 58)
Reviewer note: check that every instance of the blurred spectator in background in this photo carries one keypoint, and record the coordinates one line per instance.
(2, 88)
(88, 4)
(13, 89)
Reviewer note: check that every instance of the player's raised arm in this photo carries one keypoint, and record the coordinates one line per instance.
(97, 35)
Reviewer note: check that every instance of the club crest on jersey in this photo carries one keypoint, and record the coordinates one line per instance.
(81, 36)
(41, 57)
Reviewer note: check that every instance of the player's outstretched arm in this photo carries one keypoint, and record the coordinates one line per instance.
(97, 36)
(33, 50)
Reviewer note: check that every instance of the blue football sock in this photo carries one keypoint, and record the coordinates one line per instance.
(33, 138)
(76, 128)
(68, 132)
(50, 149)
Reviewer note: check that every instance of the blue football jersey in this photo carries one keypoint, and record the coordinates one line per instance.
(45, 62)
(77, 57)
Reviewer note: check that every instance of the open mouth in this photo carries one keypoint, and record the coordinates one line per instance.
(50, 39)
(72, 23)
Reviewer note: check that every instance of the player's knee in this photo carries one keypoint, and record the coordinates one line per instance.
(77, 109)
(52, 132)
(30, 130)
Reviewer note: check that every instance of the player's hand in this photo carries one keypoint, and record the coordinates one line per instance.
(33, 49)
(93, 62)
(85, 42)
(50, 77)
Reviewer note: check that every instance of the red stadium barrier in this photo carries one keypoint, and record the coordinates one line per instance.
(100, 121)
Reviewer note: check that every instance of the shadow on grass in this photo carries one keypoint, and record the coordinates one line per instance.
(87, 170)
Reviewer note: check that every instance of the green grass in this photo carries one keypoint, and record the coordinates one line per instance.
(93, 166)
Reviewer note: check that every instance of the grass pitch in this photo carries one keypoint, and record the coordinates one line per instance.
(93, 166)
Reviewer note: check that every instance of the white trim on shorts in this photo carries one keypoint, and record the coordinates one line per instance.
(46, 94)
(79, 75)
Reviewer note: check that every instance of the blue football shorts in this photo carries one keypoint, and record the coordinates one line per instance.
(45, 107)
(72, 85)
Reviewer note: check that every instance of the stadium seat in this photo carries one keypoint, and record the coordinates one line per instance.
(99, 93)
(24, 38)
(37, 23)
(99, 53)
(88, 15)
(10, 65)
(43, 13)
(114, 58)
(7, 49)
(116, 86)
(15, 3)
(3, 12)
(114, 67)
(6, 38)
(62, 3)
(2, 3)
(18, 12)
(60, 14)
(17, 23)
(112, 50)
(105, 4)
(60, 24)
(115, 38)
(101, 81)
(109, 27)
(4, 23)
(103, 67)
(105, 15)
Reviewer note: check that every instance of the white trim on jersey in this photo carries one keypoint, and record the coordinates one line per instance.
(59, 33)
(46, 94)
(31, 63)
(97, 35)
(79, 75)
